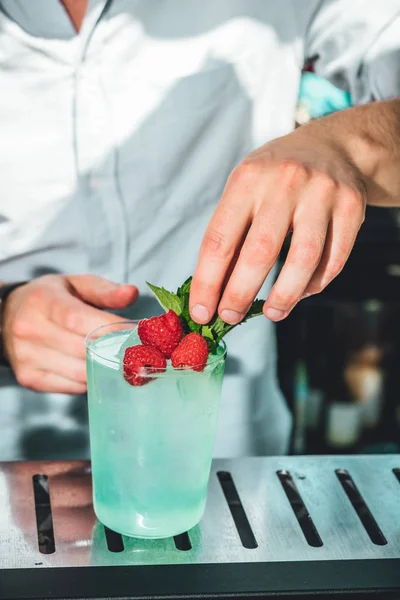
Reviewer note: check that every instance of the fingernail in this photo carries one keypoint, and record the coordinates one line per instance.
(274, 314)
(231, 316)
(200, 313)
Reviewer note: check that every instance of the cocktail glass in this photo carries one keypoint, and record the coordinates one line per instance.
(151, 445)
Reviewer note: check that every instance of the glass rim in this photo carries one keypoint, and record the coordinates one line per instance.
(155, 373)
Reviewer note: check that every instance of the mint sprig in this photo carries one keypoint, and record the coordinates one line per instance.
(216, 329)
(168, 300)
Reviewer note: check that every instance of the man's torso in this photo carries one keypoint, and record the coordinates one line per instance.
(116, 144)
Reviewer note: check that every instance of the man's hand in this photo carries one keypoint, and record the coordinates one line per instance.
(295, 183)
(45, 323)
(313, 182)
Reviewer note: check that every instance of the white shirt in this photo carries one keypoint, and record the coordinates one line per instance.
(116, 143)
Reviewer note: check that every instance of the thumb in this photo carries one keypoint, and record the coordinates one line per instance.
(101, 292)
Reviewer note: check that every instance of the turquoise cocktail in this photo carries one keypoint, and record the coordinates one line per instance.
(151, 446)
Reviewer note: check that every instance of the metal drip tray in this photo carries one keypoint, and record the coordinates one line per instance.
(272, 526)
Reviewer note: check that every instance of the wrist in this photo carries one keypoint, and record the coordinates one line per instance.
(5, 290)
(350, 133)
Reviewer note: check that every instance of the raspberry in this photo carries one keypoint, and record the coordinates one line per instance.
(164, 332)
(192, 352)
(140, 361)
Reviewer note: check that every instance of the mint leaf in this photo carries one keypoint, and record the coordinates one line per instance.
(216, 329)
(168, 300)
(220, 329)
(190, 324)
(219, 326)
(184, 289)
(183, 294)
(256, 309)
(207, 332)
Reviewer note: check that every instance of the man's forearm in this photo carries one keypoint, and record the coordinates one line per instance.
(369, 136)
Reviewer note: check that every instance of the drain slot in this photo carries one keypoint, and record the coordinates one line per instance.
(44, 519)
(237, 511)
(114, 540)
(182, 542)
(300, 510)
(361, 508)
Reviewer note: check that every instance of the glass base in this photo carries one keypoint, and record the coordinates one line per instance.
(165, 532)
(152, 537)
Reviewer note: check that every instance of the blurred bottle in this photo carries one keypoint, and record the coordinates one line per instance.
(364, 378)
(343, 426)
(300, 408)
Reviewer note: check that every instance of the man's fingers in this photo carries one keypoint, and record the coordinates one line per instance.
(319, 250)
(101, 292)
(31, 356)
(216, 254)
(310, 227)
(340, 240)
(53, 336)
(77, 317)
(257, 257)
(223, 236)
(257, 186)
(44, 381)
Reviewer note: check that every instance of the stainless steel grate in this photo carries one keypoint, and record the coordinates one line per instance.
(272, 509)
(271, 525)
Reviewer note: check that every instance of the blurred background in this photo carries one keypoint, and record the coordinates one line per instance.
(339, 352)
